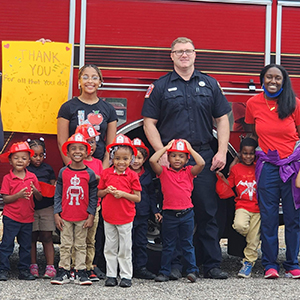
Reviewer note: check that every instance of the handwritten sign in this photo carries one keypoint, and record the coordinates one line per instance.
(35, 84)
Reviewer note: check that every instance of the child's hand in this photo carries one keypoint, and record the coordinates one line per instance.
(170, 144)
(188, 145)
(158, 217)
(24, 194)
(59, 222)
(89, 222)
(33, 188)
(118, 194)
(110, 189)
(220, 174)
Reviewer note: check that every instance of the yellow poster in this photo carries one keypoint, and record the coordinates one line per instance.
(35, 83)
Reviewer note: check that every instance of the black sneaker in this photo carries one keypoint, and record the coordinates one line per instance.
(81, 278)
(62, 277)
(92, 276)
(111, 281)
(143, 273)
(125, 282)
(161, 278)
(25, 275)
(216, 273)
(175, 274)
(3, 275)
(99, 273)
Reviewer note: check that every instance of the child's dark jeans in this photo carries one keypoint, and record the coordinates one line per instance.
(22, 231)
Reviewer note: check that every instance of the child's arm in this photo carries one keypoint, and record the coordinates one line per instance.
(223, 177)
(298, 180)
(37, 194)
(200, 163)
(89, 221)
(135, 197)
(52, 181)
(23, 193)
(156, 167)
(58, 222)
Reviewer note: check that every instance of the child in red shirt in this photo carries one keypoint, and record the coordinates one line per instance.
(18, 189)
(178, 216)
(90, 133)
(120, 188)
(247, 216)
(75, 202)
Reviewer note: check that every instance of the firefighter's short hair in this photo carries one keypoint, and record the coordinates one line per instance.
(182, 40)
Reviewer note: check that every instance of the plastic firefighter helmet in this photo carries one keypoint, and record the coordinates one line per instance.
(16, 147)
(75, 138)
(87, 130)
(119, 140)
(179, 146)
(139, 144)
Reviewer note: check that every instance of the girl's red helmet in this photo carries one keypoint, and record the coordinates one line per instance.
(75, 138)
(87, 130)
(179, 146)
(139, 143)
(16, 147)
(119, 140)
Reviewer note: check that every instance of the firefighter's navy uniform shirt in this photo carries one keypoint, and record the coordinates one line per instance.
(184, 109)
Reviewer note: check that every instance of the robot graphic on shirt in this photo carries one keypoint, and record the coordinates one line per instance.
(75, 191)
(250, 188)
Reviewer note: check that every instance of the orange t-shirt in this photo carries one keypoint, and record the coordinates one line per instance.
(273, 133)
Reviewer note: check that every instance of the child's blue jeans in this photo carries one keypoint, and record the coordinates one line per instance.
(22, 231)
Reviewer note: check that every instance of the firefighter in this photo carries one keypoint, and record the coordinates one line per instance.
(182, 104)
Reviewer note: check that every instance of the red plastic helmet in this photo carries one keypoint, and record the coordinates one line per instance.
(75, 138)
(16, 147)
(87, 130)
(179, 146)
(139, 143)
(121, 139)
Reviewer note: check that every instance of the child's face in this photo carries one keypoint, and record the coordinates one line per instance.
(38, 156)
(77, 152)
(19, 160)
(122, 159)
(177, 160)
(248, 155)
(138, 161)
(93, 145)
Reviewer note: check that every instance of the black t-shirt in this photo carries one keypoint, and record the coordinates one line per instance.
(184, 109)
(43, 173)
(98, 114)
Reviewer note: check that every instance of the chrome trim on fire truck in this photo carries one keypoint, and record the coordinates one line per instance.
(268, 33)
(257, 2)
(279, 26)
(71, 41)
(82, 33)
(139, 123)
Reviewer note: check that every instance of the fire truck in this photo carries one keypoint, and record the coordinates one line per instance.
(129, 40)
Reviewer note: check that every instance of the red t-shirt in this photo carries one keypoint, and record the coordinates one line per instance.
(177, 188)
(96, 165)
(22, 210)
(242, 177)
(119, 211)
(273, 133)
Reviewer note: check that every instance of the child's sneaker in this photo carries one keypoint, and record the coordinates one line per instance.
(72, 275)
(271, 274)
(246, 269)
(81, 278)
(295, 273)
(50, 272)
(92, 276)
(34, 270)
(61, 277)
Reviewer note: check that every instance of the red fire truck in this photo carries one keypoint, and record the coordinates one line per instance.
(129, 40)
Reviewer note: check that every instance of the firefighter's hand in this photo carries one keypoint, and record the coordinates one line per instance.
(59, 222)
